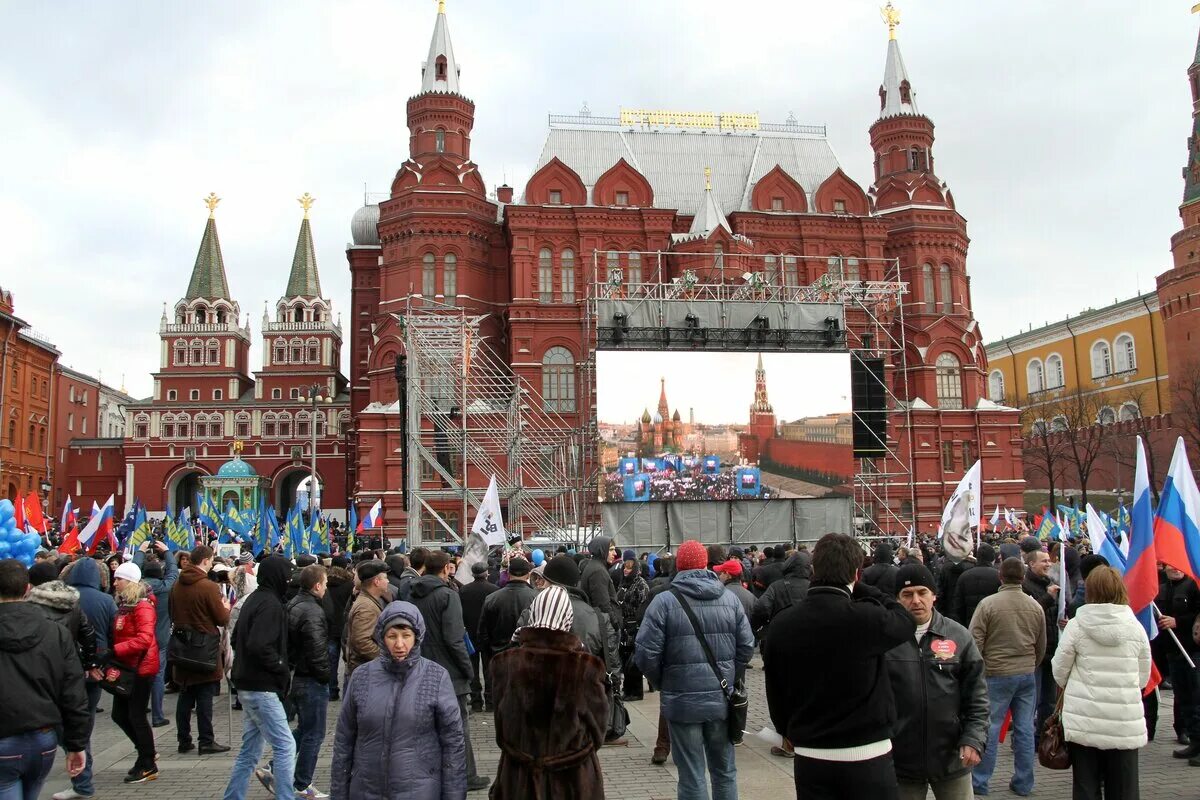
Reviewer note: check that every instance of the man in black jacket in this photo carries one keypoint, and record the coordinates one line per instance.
(308, 655)
(444, 641)
(783, 593)
(43, 684)
(837, 640)
(594, 579)
(882, 574)
(980, 581)
(473, 596)
(412, 572)
(339, 586)
(261, 675)
(1041, 587)
(939, 683)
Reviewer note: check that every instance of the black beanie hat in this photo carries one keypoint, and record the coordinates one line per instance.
(562, 570)
(914, 575)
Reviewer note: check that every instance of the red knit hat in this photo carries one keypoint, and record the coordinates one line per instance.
(691, 555)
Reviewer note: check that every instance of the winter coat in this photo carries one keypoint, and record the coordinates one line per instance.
(882, 574)
(973, 585)
(359, 634)
(396, 568)
(60, 603)
(1009, 630)
(594, 579)
(161, 589)
(1103, 660)
(500, 615)
(406, 580)
(631, 594)
(789, 589)
(97, 605)
(1039, 590)
(1181, 599)
(744, 596)
(941, 702)
(948, 583)
(551, 717)
(400, 734)
(338, 592)
(41, 676)
(196, 604)
(260, 638)
(444, 629)
(308, 638)
(669, 652)
(473, 596)
(598, 637)
(134, 643)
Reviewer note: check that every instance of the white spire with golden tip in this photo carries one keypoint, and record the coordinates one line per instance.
(709, 217)
(896, 96)
(440, 71)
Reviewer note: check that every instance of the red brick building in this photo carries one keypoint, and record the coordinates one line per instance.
(205, 397)
(26, 380)
(89, 417)
(645, 197)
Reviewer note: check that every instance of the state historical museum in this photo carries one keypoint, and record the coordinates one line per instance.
(635, 197)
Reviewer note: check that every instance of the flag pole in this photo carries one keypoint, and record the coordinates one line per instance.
(1174, 638)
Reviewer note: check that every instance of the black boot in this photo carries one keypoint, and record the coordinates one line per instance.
(1191, 751)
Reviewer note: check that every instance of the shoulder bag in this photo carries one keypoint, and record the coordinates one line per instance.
(1052, 749)
(194, 651)
(736, 697)
(117, 679)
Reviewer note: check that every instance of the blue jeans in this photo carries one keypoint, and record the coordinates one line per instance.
(335, 658)
(25, 761)
(263, 717)
(82, 783)
(156, 691)
(1018, 692)
(310, 699)
(692, 745)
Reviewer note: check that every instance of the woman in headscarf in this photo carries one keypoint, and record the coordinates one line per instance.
(399, 735)
(551, 709)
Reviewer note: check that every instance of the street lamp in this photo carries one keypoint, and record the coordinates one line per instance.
(313, 393)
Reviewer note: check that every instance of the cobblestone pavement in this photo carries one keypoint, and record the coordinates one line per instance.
(628, 773)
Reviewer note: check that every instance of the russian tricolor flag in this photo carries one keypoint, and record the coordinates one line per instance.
(1141, 574)
(99, 527)
(1177, 523)
(374, 517)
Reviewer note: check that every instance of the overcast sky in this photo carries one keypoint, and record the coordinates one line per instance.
(1061, 130)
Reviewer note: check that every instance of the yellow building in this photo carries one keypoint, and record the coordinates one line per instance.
(1116, 356)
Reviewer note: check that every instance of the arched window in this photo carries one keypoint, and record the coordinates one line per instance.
(197, 353)
(613, 263)
(440, 68)
(1129, 411)
(450, 277)
(949, 381)
(29, 442)
(320, 418)
(314, 348)
(1124, 353)
(42, 439)
(439, 140)
(927, 289)
(297, 350)
(719, 256)
(947, 290)
(545, 276)
(852, 272)
(833, 267)
(298, 314)
(568, 276)
(770, 267)
(428, 276)
(214, 352)
(280, 352)
(302, 424)
(141, 426)
(1054, 372)
(1034, 376)
(220, 315)
(269, 425)
(285, 424)
(1106, 416)
(12, 433)
(241, 425)
(201, 426)
(200, 316)
(996, 386)
(183, 425)
(558, 380)
(180, 353)
(791, 273)
(635, 270)
(1101, 360)
(1058, 424)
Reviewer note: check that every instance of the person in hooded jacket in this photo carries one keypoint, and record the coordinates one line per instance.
(396, 565)
(631, 594)
(134, 645)
(159, 575)
(261, 674)
(978, 582)
(594, 578)
(783, 593)
(60, 603)
(882, 573)
(400, 710)
(338, 591)
(444, 644)
(670, 654)
(551, 709)
(308, 656)
(1103, 661)
(84, 575)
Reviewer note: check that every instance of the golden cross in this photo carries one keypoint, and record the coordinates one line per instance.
(891, 16)
(211, 201)
(306, 202)
(708, 179)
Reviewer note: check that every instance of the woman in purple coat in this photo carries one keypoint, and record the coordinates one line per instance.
(400, 735)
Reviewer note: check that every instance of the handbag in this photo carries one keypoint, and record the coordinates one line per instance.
(1052, 749)
(618, 715)
(194, 651)
(117, 679)
(736, 696)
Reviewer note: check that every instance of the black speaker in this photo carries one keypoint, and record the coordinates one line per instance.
(869, 400)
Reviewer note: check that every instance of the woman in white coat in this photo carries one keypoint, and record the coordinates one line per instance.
(1103, 660)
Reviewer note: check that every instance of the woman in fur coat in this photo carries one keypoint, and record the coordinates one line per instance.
(551, 709)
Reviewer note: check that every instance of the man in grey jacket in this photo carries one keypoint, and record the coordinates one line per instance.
(941, 698)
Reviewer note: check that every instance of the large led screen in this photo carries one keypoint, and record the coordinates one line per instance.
(723, 426)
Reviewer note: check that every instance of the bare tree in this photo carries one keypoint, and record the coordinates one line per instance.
(1119, 444)
(1043, 451)
(1185, 401)
(1084, 438)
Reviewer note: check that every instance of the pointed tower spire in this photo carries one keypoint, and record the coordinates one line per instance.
(664, 410)
(304, 280)
(208, 274)
(440, 71)
(896, 96)
(710, 216)
(761, 403)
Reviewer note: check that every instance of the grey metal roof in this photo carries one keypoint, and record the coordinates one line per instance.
(440, 45)
(894, 74)
(364, 226)
(673, 159)
(709, 217)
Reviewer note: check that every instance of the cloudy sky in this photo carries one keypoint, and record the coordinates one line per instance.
(1061, 129)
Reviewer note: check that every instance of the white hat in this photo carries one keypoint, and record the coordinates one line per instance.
(129, 571)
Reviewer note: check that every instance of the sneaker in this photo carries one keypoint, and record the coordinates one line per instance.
(477, 783)
(782, 753)
(70, 794)
(266, 778)
(142, 775)
(311, 793)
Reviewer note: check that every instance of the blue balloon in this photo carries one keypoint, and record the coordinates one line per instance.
(6, 509)
(32, 542)
(538, 557)
(3, 549)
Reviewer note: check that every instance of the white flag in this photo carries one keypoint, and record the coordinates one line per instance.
(962, 512)
(995, 520)
(488, 522)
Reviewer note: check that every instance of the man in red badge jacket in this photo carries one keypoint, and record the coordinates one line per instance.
(939, 682)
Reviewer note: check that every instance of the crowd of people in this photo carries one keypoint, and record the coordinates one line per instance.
(693, 484)
(887, 674)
